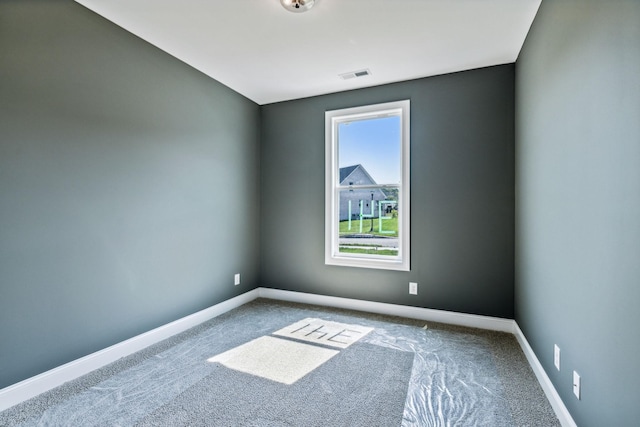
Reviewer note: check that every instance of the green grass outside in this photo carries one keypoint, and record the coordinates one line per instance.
(387, 225)
(388, 252)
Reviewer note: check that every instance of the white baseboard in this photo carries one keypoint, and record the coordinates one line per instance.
(441, 316)
(38, 384)
(34, 386)
(549, 390)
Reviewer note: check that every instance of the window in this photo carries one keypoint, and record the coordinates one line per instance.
(367, 186)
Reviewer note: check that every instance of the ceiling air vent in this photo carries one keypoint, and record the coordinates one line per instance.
(354, 74)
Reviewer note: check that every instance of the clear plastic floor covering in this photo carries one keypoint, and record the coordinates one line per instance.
(453, 380)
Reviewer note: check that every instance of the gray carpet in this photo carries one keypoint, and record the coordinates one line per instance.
(338, 393)
(399, 374)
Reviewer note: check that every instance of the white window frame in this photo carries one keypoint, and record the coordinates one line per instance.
(332, 188)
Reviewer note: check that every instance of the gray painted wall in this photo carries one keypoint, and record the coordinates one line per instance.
(462, 195)
(129, 188)
(578, 202)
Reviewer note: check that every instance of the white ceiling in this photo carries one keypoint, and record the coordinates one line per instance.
(268, 54)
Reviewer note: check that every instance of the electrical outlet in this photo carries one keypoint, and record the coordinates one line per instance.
(413, 288)
(236, 279)
(576, 384)
(556, 356)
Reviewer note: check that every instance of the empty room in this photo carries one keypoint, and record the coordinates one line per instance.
(320, 213)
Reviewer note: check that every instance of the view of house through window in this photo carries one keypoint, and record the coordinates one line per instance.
(367, 186)
(368, 156)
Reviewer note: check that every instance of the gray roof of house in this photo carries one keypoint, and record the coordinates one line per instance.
(346, 171)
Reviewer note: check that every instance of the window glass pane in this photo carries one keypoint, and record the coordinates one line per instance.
(374, 144)
(368, 222)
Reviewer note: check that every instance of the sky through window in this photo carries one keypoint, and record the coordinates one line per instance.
(375, 144)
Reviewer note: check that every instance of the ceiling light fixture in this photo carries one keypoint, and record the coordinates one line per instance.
(297, 6)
